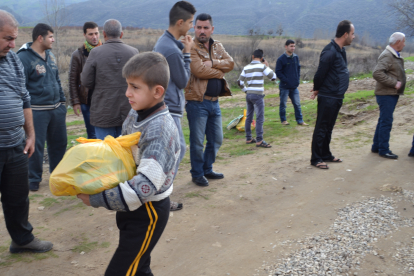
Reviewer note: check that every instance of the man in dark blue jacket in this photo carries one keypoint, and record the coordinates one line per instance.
(288, 72)
(330, 84)
(47, 100)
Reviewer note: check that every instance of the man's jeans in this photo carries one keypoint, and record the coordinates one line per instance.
(102, 132)
(255, 104)
(50, 127)
(293, 94)
(14, 189)
(387, 105)
(90, 129)
(183, 146)
(204, 119)
(328, 109)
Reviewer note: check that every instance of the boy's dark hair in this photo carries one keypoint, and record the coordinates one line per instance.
(204, 17)
(258, 53)
(151, 67)
(41, 29)
(343, 27)
(89, 25)
(181, 10)
(289, 41)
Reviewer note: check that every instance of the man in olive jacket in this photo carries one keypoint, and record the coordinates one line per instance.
(390, 76)
(103, 73)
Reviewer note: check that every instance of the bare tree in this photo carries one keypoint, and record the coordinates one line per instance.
(404, 11)
(56, 16)
(270, 32)
(279, 30)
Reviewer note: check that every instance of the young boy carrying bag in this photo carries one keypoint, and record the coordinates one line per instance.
(253, 74)
(143, 203)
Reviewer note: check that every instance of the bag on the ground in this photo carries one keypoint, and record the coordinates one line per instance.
(234, 122)
(241, 125)
(94, 166)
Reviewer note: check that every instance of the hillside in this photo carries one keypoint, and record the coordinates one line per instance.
(299, 17)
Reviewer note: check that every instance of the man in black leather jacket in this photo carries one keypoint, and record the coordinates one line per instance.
(330, 84)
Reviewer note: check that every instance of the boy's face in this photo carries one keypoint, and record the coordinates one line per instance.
(140, 96)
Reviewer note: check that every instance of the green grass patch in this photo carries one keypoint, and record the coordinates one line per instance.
(49, 201)
(75, 123)
(409, 71)
(361, 76)
(196, 194)
(409, 59)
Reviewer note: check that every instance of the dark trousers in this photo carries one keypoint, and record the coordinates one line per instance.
(381, 141)
(139, 232)
(14, 189)
(90, 129)
(328, 109)
(50, 127)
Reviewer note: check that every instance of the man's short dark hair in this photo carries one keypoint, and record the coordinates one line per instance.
(289, 41)
(89, 25)
(41, 29)
(343, 27)
(181, 10)
(204, 17)
(258, 53)
(151, 67)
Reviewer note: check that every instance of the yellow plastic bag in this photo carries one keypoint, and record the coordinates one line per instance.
(94, 166)
(241, 125)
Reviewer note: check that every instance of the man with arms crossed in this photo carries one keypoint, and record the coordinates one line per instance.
(177, 54)
(47, 101)
(209, 62)
(80, 95)
(330, 84)
(16, 122)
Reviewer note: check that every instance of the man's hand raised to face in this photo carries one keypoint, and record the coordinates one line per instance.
(188, 43)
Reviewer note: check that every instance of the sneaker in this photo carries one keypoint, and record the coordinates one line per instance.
(34, 186)
(35, 246)
(303, 124)
(285, 123)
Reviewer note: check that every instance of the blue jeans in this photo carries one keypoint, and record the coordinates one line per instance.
(102, 132)
(293, 94)
(204, 119)
(50, 127)
(387, 105)
(90, 129)
(255, 103)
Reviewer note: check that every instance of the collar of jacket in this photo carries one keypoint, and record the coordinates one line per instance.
(179, 43)
(201, 45)
(337, 46)
(28, 47)
(393, 51)
(114, 40)
(292, 56)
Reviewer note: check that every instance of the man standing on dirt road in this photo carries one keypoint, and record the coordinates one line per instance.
(80, 95)
(103, 73)
(390, 76)
(17, 142)
(209, 62)
(177, 54)
(330, 83)
(47, 101)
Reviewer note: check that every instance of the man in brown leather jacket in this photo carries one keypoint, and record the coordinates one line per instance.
(80, 96)
(209, 62)
(390, 76)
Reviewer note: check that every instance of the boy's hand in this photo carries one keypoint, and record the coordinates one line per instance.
(188, 43)
(84, 198)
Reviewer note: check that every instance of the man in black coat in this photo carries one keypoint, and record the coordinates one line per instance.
(330, 84)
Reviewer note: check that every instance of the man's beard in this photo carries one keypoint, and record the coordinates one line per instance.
(203, 39)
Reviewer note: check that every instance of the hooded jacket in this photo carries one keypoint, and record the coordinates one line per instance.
(42, 78)
(288, 71)
(332, 77)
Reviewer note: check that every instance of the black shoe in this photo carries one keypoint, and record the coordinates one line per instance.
(34, 186)
(411, 154)
(389, 155)
(214, 175)
(36, 246)
(374, 151)
(200, 181)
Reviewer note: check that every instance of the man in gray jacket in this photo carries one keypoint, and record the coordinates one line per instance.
(177, 54)
(103, 73)
(390, 76)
